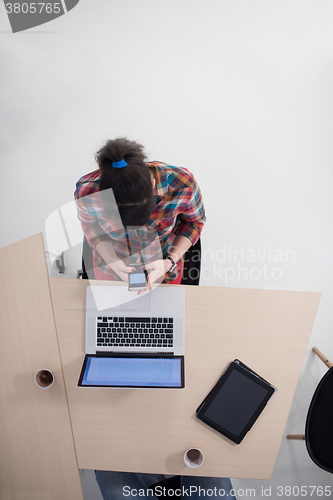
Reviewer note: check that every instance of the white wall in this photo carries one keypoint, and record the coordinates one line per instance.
(238, 91)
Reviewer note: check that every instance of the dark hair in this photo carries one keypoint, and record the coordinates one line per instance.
(131, 185)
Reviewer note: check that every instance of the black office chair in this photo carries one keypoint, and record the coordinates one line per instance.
(192, 264)
(167, 487)
(319, 421)
(87, 270)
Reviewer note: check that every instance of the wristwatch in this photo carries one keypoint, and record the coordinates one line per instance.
(173, 266)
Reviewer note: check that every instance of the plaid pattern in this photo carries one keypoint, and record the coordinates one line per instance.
(179, 210)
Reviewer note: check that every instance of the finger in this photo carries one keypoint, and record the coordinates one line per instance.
(148, 287)
(150, 280)
(127, 269)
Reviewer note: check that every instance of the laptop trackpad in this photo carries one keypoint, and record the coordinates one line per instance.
(138, 303)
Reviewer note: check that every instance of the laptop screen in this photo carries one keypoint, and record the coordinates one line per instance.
(160, 372)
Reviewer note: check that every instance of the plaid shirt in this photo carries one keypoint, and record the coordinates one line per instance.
(179, 210)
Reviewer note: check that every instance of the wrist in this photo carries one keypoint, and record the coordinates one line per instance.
(172, 263)
(167, 265)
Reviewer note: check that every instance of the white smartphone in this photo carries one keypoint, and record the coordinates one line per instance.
(137, 280)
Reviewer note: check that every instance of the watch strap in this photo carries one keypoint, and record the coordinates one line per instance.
(173, 266)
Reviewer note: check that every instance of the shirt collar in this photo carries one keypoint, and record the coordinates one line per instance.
(161, 177)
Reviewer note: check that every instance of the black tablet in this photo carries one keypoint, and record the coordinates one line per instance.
(236, 401)
(121, 370)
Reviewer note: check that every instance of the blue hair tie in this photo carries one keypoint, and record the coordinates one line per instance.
(119, 164)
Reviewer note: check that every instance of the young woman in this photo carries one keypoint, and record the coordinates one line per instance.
(161, 213)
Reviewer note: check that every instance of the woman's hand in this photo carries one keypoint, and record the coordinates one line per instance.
(120, 268)
(157, 269)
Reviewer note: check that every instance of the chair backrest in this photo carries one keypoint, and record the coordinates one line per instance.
(167, 487)
(319, 424)
(87, 261)
(192, 263)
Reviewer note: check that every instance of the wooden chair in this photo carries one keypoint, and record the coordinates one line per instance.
(318, 435)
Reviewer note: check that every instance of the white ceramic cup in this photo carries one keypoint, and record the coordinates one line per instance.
(44, 378)
(193, 457)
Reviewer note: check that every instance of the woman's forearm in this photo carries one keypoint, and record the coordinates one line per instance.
(106, 251)
(180, 245)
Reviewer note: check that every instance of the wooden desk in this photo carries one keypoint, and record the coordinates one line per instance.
(148, 430)
(46, 435)
(37, 460)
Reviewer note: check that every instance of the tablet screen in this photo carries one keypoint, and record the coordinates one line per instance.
(132, 372)
(236, 401)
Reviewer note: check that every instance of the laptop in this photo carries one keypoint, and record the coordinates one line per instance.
(141, 337)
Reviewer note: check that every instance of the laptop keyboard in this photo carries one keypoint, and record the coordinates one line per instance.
(134, 332)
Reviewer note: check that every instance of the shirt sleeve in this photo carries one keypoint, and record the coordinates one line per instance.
(193, 217)
(89, 222)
